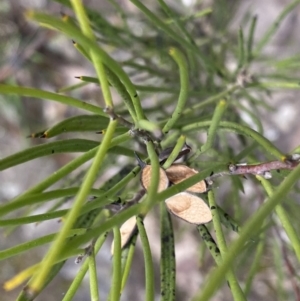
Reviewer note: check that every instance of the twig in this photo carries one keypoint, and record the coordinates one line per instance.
(262, 169)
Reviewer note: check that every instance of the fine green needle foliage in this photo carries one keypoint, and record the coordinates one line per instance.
(162, 88)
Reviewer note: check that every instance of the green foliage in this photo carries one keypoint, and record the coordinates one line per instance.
(193, 81)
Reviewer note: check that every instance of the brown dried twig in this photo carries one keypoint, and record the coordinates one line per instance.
(262, 169)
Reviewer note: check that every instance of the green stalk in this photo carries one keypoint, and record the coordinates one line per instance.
(210, 244)
(241, 129)
(284, 218)
(33, 218)
(41, 198)
(167, 261)
(212, 131)
(235, 288)
(114, 81)
(28, 245)
(67, 100)
(255, 263)
(279, 267)
(210, 100)
(71, 88)
(97, 62)
(84, 267)
(177, 21)
(184, 88)
(279, 85)
(128, 264)
(176, 150)
(250, 40)
(149, 272)
(241, 53)
(55, 147)
(152, 191)
(271, 31)
(117, 84)
(228, 221)
(115, 291)
(93, 277)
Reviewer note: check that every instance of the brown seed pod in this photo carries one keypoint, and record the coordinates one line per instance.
(190, 208)
(177, 173)
(146, 175)
(126, 231)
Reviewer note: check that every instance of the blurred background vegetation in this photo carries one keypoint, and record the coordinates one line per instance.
(37, 57)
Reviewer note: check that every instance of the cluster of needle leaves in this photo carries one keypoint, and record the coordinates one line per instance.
(176, 84)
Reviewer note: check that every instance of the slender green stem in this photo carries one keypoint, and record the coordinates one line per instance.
(235, 288)
(41, 276)
(279, 85)
(241, 129)
(55, 147)
(152, 191)
(184, 88)
(167, 261)
(228, 221)
(178, 22)
(80, 275)
(71, 88)
(249, 229)
(97, 62)
(284, 219)
(41, 198)
(210, 100)
(24, 91)
(115, 82)
(93, 277)
(241, 53)
(149, 272)
(176, 150)
(279, 267)
(212, 131)
(255, 266)
(195, 15)
(32, 218)
(210, 243)
(20, 248)
(271, 31)
(129, 259)
(250, 39)
(115, 291)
